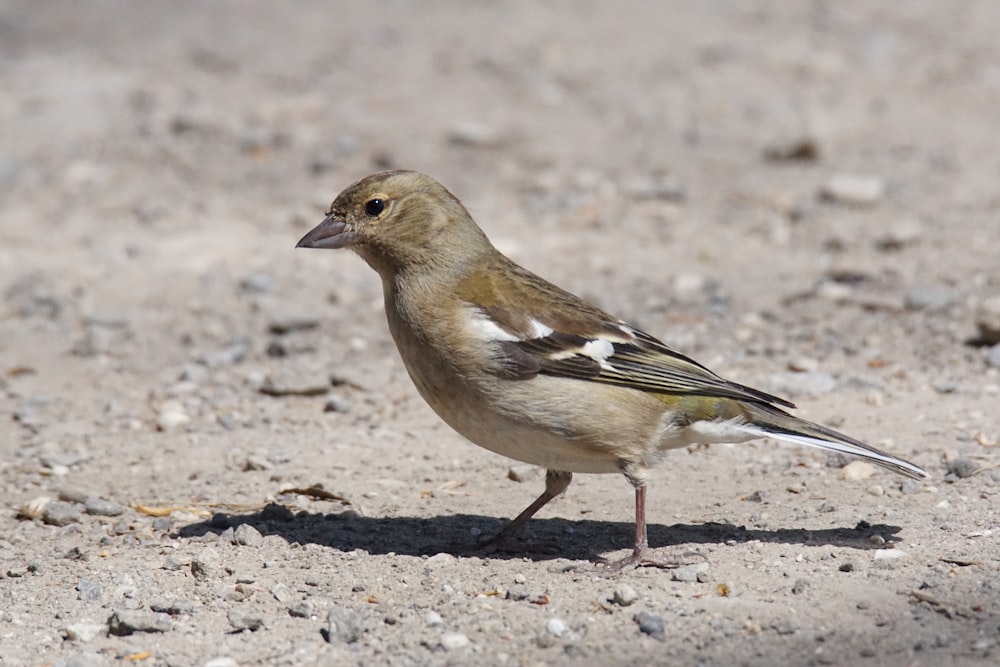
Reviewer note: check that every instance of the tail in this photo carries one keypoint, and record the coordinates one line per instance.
(770, 422)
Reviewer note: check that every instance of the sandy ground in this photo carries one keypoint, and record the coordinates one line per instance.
(801, 195)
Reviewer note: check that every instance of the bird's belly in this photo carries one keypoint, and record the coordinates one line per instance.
(511, 423)
(527, 442)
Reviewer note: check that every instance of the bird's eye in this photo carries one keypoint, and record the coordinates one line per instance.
(374, 207)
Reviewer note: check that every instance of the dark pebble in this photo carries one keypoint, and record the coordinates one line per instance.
(101, 507)
(163, 523)
(250, 621)
(173, 607)
(963, 468)
(59, 513)
(284, 325)
(304, 609)
(650, 624)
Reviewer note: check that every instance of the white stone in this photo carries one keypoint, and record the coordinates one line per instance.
(453, 640)
(856, 470)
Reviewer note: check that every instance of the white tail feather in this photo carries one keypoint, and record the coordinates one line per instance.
(881, 458)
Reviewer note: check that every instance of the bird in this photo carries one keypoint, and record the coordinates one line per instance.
(530, 371)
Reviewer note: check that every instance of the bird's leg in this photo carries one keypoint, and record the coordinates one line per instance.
(641, 553)
(556, 481)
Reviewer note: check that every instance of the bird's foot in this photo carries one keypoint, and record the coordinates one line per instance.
(646, 558)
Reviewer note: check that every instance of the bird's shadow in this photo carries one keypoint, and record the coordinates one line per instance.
(542, 539)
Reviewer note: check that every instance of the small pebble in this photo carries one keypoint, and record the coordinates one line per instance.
(232, 353)
(303, 609)
(30, 412)
(441, 559)
(899, 236)
(522, 472)
(802, 148)
(66, 460)
(83, 632)
(101, 507)
(59, 513)
(889, 554)
(259, 283)
(963, 467)
(162, 523)
(853, 190)
(931, 298)
(248, 536)
(206, 565)
(690, 573)
(785, 627)
(223, 661)
(988, 321)
(453, 640)
(856, 470)
(343, 625)
(803, 365)
(129, 621)
(172, 418)
(297, 385)
(650, 624)
(945, 386)
(337, 404)
(88, 590)
(35, 508)
(625, 595)
(847, 567)
(251, 621)
(289, 323)
(281, 592)
(174, 607)
(556, 627)
(433, 619)
(993, 356)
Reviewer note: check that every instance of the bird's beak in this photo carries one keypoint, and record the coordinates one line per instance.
(331, 233)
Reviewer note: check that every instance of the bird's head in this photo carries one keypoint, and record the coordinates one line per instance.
(398, 220)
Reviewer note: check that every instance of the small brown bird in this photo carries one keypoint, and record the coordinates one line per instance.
(528, 370)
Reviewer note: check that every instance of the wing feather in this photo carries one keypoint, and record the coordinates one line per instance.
(619, 355)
